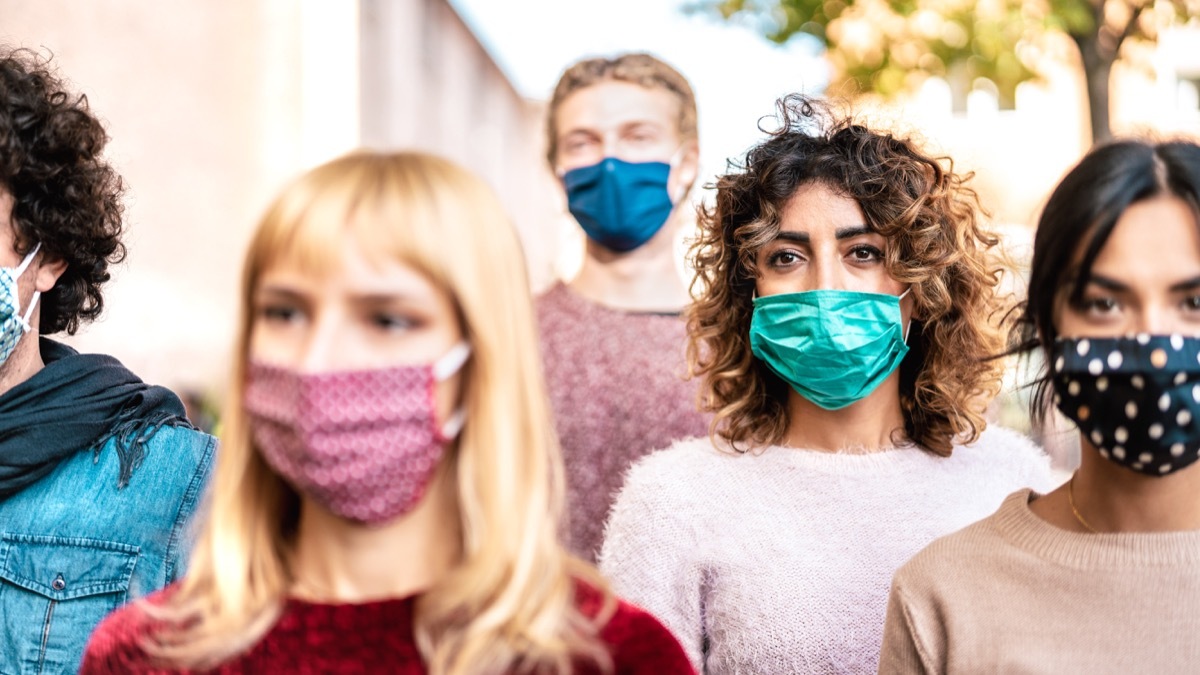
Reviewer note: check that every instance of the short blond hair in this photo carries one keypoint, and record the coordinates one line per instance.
(636, 68)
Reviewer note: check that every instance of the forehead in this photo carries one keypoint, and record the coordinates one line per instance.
(817, 206)
(611, 104)
(1154, 239)
(344, 264)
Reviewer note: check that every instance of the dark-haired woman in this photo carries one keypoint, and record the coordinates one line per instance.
(1103, 574)
(844, 312)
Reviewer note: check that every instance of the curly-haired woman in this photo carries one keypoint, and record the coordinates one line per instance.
(845, 312)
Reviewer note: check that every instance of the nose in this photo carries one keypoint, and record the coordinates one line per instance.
(319, 350)
(1157, 319)
(826, 275)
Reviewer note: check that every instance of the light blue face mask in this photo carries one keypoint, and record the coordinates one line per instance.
(833, 347)
(14, 324)
(620, 205)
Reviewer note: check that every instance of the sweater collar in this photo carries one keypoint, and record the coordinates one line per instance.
(1018, 524)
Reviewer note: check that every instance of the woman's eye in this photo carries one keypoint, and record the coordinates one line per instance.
(1099, 305)
(783, 258)
(279, 313)
(865, 254)
(1192, 303)
(393, 322)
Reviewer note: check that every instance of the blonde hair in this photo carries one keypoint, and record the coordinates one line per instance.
(509, 604)
(635, 68)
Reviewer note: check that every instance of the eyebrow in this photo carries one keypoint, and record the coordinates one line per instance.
(1190, 284)
(1116, 286)
(840, 233)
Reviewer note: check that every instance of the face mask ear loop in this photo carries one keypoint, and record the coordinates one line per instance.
(445, 367)
(451, 362)
(674, 164)
(36, 294)
(29, 312)
(28, 259)
(908, 325)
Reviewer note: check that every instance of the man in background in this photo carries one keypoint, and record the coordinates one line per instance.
(622, 139)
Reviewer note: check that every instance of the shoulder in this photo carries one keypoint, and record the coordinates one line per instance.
(678, 468)
(177, 462)
(187, 444)
(116, 644)
(177, 456)
(954, 558)
(1001, 446)
(638, 642)
(554, 302)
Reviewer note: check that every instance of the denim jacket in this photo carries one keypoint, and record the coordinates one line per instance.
(73, 547)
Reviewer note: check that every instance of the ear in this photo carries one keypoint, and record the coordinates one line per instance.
(914, 313)
(48, 272)
(683, 175)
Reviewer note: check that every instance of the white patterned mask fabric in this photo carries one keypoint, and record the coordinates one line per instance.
(1137, 399)
(364, 444)
(12, 323)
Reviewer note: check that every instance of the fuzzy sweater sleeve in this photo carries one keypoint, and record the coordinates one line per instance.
(651, 551)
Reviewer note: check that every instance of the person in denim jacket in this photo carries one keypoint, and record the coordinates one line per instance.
(99, 472)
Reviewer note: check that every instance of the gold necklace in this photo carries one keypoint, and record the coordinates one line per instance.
(1071, 501)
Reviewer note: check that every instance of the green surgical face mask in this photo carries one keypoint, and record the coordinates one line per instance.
(833, 347)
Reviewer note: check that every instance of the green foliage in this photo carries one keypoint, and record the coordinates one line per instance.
(888, 46)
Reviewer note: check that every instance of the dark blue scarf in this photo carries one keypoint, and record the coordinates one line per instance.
(76, 403)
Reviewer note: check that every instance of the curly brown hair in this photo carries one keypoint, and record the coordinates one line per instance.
(66, 197)
(636, 68)
(935, 243)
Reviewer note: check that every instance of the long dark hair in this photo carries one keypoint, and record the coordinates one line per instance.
(1081, 215)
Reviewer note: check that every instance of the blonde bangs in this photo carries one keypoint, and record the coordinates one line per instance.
(384, 206)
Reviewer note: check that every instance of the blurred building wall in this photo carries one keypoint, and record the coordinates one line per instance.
(212, 105)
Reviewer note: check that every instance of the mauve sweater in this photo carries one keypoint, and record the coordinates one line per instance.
(617, 389)
(370, 637)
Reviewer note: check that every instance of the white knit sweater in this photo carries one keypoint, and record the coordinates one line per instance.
(780, 561)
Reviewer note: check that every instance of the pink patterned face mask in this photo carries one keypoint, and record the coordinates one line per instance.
(364, 444)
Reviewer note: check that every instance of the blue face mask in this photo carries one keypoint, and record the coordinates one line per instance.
(619, 204)
(833, 347)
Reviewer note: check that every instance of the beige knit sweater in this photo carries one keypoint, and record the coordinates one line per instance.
(1014, 594)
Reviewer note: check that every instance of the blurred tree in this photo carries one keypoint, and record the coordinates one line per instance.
(888, 46)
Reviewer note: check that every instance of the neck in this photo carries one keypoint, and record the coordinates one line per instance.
(336, 560)
(869, 425)
(645, 279)
(24, 362)
(1111, 498)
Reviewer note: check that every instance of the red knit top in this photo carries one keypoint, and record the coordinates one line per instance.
(371, 637)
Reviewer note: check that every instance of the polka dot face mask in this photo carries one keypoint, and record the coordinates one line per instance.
(364, 444)
(1137, 399)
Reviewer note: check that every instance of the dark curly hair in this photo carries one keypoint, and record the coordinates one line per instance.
(66, 197)
(935, 243)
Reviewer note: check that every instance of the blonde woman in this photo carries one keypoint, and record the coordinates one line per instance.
(388, 490)
(842, 325)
